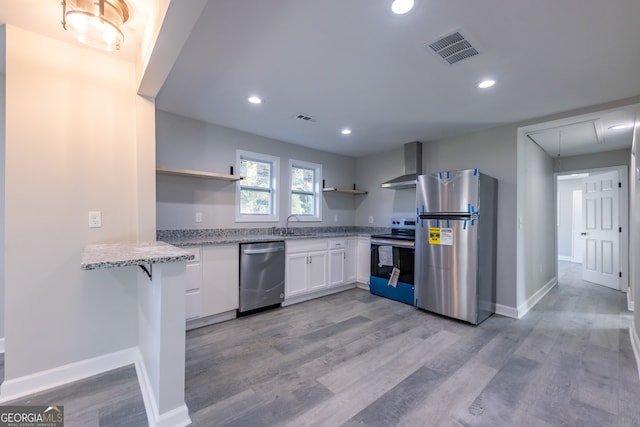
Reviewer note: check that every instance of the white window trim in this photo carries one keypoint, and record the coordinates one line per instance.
(317, 190)
(275, 175)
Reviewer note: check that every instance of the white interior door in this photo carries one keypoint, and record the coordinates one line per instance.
(601, 260)
(577, 227)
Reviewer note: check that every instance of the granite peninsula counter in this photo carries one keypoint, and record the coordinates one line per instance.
(110, 255)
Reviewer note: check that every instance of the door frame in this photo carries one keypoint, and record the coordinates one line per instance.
(623, 209)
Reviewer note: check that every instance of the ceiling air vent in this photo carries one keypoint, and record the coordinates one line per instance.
(453, 48)
(304, 117)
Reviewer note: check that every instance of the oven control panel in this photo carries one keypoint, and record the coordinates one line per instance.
(403, 223)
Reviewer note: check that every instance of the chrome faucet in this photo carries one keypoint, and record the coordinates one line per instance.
(286, 224)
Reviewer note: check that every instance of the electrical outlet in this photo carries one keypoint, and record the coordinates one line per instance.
(370, 220)
(198, 216)
(540, 268)
(95, 219)
(335, 218)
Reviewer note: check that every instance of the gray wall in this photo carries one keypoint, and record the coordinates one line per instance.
(592, 161)
(634, 225)
(493, 152)
(536, 220)
(186, 143)
(566, 187)
(382, 204)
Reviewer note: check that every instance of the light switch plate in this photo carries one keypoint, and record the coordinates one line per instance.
(95, 219)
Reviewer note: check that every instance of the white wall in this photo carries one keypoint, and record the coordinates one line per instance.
(191, 144)
(565, 189)
(2, 181)
(70, 147)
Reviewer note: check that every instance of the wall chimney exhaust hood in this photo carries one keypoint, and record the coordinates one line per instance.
(412, 168)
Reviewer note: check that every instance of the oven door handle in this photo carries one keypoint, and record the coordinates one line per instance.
(395, 243)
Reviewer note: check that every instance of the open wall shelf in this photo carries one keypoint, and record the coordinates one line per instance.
(198, 174)
(342, 190)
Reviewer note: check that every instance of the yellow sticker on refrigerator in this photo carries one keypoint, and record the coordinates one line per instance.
(434, 236)
(441, 236)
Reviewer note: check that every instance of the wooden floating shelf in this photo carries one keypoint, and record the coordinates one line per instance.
(198, 174)
(343, 190)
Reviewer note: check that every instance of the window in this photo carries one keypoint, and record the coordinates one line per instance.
(305, 181)
(256, 194)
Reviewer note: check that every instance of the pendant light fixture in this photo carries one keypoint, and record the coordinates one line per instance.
(97, 23)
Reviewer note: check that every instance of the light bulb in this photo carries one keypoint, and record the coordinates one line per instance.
(400, 7)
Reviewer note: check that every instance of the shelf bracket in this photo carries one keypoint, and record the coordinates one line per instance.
(148, 271)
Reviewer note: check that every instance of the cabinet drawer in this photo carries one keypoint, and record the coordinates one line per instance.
(337, 243)
(294, 246)
(193, 304)
(196, 252)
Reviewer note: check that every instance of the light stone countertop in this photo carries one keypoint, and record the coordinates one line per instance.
(228, 239)
(109, 255)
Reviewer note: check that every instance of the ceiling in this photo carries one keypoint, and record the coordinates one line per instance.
(585, 134)
(355, 64)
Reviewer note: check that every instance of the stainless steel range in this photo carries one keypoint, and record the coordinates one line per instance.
(392, 261)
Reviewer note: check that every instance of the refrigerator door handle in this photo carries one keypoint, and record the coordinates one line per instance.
(448, 216)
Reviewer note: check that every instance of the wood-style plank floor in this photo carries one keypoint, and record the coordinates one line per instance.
(354, 359)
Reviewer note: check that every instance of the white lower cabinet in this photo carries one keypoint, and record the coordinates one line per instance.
(351, 261)
(337, 258)
(212, 281)
(363, 268)
(306, 267)
(193, 298)
(221, 278)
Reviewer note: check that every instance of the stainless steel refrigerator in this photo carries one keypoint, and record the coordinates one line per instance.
(455, 266)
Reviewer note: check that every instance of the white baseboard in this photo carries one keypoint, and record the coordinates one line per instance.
(33, 383)
(314, 295)
(630, 304)
(177, 417)
(635, 343)
(364, 286)
(518, 313)
(565, 258)
(536, 297)
(211, 320)
(2, 345)
(507, 311)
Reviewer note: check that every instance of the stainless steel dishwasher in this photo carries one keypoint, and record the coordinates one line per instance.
(261, 275)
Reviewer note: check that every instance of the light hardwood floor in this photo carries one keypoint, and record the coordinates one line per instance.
(355, 359)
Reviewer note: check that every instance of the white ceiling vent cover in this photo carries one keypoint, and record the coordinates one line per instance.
(453, 48)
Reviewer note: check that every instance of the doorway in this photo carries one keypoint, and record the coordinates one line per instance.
(592, 224)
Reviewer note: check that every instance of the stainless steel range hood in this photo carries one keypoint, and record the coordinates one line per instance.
(412, 168)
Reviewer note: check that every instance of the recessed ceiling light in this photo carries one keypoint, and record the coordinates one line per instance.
(346, 131)
(255, 100)
(486, 84)
(620, 126)
(400, 7)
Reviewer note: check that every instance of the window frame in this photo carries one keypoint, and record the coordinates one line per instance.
(275, 174)
(317, 190)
